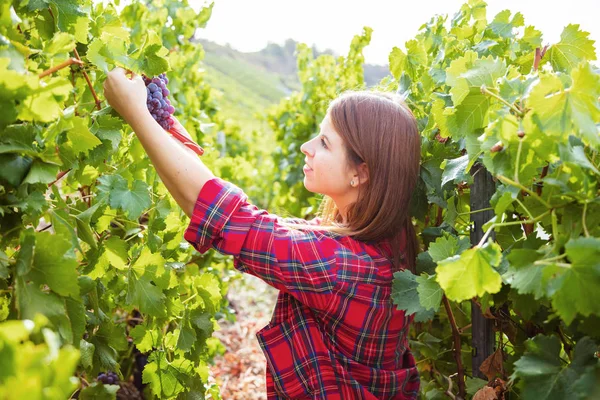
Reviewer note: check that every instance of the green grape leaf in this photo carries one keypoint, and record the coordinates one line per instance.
(99, 391)
(41, 172)
(80, 136)
(578, 292)
(456, 170)
(143, 293)
(471, 273)
(501, 25)
(430, 292)
(447, 246)
(4, 262)
(14, 168)
(406, 296)
(574, 46)
(45, 103)
(31, 300)
(408, 62)
(115, 252)
(187, 337)
(109, 49)
(87, 353)
(54, 264)
(526, 277)
(558, 110)
(164, 377)
(61, 43)
(544, 374)
(133, 202)
(145, 339)
(25, 256)
(76, 314)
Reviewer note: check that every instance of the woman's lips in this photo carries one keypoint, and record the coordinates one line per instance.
(306, 168)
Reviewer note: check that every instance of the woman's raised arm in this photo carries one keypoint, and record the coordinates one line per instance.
(180, 169)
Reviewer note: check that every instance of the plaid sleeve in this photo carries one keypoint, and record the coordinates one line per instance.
(299, 262)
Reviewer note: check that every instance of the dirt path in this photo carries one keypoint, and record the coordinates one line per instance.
(240, 372)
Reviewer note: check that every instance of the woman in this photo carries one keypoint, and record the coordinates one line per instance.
(335, 333)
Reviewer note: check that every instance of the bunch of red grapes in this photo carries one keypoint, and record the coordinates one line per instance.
(108, 378)
(158, 104)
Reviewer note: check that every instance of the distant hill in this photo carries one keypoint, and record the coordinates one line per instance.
(280, 59)
(250, 82)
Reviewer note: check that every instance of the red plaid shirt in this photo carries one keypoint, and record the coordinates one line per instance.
(335, 333)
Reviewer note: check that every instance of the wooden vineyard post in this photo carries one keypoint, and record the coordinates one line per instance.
(482, 189)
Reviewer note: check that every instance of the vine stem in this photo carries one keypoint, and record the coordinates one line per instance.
(476, 211)
(62, 65)
(486, 91)
(58, 176)
(517, 162)
(456, 334)
(585, 229)
(509, 181)
(545, 260)
(87, 79)
(499, 224)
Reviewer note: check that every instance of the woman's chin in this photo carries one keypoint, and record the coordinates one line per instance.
(307, 185)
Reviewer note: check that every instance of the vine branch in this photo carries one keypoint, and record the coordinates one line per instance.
(456, 334)
(488, 92)
(87, 79)
(62, 65)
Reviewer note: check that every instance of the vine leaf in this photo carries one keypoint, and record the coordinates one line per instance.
(579, 284)
(573, 47)
(545, 376)
(133, 201)
(471, 273)
(406, 296)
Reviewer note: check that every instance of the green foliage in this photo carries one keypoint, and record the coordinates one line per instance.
(297, 118)
(91, 244)
(480, 96)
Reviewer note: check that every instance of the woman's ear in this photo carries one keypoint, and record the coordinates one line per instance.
(363, 173)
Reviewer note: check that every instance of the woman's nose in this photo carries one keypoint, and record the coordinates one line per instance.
(305, 148)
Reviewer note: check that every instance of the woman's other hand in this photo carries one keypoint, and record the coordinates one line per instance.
(126, 96)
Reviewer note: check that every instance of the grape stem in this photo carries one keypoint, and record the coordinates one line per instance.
(583, 223)
(509, 181)
(499, 224)
(62, 65)
(485, 90)
(87, 79)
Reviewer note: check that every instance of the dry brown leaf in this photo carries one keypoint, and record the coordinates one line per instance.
(492, 365)
(485, 393)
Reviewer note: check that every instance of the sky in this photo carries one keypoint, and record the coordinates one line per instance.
(249, 25)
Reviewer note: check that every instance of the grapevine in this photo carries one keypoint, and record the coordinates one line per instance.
(100, 296)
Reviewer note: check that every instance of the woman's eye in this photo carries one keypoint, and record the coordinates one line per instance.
(323, 143)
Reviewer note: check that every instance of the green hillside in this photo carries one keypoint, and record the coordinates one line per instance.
(250, 82)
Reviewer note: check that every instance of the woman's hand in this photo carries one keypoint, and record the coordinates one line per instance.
(126, 96)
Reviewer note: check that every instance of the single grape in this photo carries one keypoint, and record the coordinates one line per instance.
(152, 87)
(157, 95)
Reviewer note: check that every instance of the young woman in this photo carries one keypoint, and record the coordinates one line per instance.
(335, 333)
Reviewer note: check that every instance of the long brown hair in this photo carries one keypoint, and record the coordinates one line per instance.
(379, 129)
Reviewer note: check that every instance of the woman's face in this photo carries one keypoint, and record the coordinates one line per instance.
(326, 170)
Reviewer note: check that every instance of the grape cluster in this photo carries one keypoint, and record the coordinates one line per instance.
(108, 378)
(158, 104)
